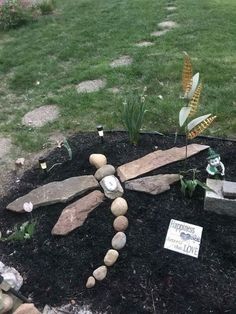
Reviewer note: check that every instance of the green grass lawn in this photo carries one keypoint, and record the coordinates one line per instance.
(80, 40)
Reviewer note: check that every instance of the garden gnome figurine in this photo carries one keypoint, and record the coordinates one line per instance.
(215, 167)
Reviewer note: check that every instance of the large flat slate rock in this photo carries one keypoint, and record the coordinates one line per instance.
(55, 192)
(74, 215)
(216, 202)
(153, 184)
(156, 160)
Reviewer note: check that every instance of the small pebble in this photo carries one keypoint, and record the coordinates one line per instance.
(90, 282)
(120, 223)
(119, 206)
(118, 241)
(97, 160)
(111, 257)
(100, 273)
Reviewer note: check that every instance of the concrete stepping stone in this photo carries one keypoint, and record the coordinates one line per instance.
(156, 160)
(154, 184)
(55, 192)
(160, 33)
(91, 86)
(167, 25)
(74, 215)
(121, 61)
(5, 146)
(144, 44)
(171, 9)
(40, 116)
(216, 202)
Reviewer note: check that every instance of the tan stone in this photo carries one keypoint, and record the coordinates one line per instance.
(120, 223)
(6, 303)
(104, 171)
(154, 184)
(119, 206)
(112, 187)
(26, 308)
(97, 160)
(156, 160)
(74, 215)
(90, 282)
(100, 273)
(118, 241)
(55, 192)
(111, 257)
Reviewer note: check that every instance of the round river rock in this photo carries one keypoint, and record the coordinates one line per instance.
(120, 223)
(119, 206)
(118, 241)
(90, 282)
(111, 257)
(100, 273)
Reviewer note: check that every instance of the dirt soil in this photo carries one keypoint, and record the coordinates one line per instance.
(146, 278)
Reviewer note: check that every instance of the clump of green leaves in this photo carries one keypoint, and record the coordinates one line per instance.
(188, 186)
(21, 232)
(132, 115)
(46, 6)
(14, 13)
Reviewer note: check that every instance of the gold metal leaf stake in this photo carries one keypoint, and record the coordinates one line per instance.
(187, 73)
(200, 127)
(195, 101)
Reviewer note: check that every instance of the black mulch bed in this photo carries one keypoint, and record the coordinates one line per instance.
(146, 278)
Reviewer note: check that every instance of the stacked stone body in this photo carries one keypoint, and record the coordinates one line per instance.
(119, 207)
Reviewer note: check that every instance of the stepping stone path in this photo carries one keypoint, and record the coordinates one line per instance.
(167, 25)
(5, 146)
(55, 192)
(154, 184)
(74, 215)
(122, 61)
(40, 116)
(91, 86)
(156, 160)
(144, 44)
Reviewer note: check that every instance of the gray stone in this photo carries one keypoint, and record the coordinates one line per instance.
(215, 201)
(90, 86)
(112, 187)
(118, 241)
(74, 215)
(167, 25)
(156, 160)
(40, 116)
(55, 192)
(122, 61)
(104, 171)
(159, 33)
(144, 44)
(153, 184)
(229, 189)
